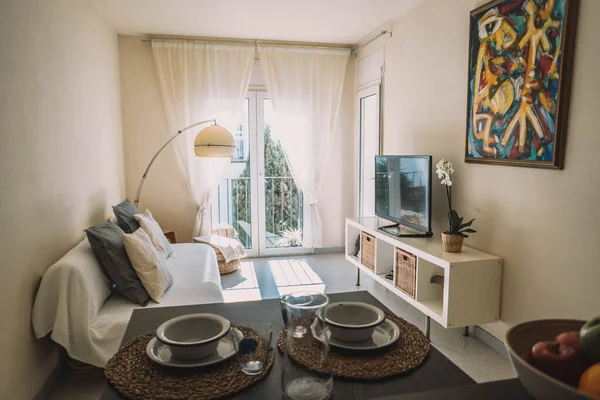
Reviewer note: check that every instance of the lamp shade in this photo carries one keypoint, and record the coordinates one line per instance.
(214, 141)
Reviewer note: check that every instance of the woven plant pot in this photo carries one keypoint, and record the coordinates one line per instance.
(452, 243)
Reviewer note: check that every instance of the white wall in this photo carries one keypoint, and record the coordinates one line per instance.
(542, 222)
(61, 158)
(165, 192)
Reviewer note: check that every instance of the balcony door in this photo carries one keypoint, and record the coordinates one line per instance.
(257, 195)
(369, 147)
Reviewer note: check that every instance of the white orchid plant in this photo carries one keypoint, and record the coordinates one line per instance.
(444, 172)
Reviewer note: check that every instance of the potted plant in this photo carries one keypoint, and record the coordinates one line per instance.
(290, 238)
(453, 237)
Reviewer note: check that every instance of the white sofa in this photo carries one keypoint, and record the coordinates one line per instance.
(75, 303)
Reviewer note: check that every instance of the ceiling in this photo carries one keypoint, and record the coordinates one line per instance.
(325, 21)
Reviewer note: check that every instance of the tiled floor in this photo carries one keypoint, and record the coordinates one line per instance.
(264, 278)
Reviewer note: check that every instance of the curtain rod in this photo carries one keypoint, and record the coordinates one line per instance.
(380, 34)
(249, 41)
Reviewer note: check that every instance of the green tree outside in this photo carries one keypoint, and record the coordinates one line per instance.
(283, 199)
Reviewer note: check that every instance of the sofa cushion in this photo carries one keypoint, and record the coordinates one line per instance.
(125, 211)
(154, 231)
(107, 242)
(149, 264)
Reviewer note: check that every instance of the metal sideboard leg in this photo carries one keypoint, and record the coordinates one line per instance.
(428, 328)
(466, 331)
(357, 276)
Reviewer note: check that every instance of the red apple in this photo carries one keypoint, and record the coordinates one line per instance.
(559, 361)
(552, 351)
(570, 339)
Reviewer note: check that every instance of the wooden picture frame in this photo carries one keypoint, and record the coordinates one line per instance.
(519, 80)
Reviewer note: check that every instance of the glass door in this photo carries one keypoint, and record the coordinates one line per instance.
(234, 203)
(257, 195)
(369, 147)
(281, 203)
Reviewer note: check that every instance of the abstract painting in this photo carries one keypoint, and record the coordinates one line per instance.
(520, 61)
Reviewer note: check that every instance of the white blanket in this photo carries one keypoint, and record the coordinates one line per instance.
(231, 249)
(72, 299)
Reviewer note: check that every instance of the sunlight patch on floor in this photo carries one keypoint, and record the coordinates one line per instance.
(295, 275)
(244, 287)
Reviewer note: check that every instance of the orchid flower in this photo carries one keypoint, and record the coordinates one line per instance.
(440, 169)
(444, 172)
(446, 181)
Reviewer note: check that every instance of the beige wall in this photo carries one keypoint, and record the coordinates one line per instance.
(144, 130)
(543, 223)
(165, 192)
(61, 159)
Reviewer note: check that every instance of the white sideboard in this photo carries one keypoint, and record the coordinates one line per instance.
(471, 290)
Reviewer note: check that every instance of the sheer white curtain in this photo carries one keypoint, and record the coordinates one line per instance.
(201, 81)
(305, 86)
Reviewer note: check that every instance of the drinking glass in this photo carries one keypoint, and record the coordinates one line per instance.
(252, 350)
(305, 328)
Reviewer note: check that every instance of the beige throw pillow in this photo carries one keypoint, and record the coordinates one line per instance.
(150, 266)
(155, 233)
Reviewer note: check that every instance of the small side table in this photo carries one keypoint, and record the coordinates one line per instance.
(170, 235)
(212, 241)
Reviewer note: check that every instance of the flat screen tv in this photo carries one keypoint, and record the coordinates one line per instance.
(403, 194)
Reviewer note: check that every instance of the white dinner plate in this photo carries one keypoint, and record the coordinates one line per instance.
(384, 335)
(161, 354)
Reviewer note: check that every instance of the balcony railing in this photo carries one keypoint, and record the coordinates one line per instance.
(284, 210)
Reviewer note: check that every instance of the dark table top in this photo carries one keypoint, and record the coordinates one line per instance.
(499, 390)
(435, 373)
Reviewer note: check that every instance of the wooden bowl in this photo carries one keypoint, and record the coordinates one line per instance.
(519, 341)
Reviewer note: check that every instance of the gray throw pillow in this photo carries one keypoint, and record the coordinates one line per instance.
(124, 211)
(107, 242)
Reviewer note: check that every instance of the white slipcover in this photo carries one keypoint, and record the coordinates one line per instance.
(72, 299)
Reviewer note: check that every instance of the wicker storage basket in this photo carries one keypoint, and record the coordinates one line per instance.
(224, 230)
(367, 250)
(405, 274)
(226, 267)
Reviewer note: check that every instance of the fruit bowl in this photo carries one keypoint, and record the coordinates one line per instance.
(519, 341)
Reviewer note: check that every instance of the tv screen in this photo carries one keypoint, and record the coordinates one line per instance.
(403, 190)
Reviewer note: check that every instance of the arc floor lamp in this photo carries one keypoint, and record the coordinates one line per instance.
(213, 141)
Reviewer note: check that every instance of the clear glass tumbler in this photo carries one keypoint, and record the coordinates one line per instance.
(306, 343)
(252, 351)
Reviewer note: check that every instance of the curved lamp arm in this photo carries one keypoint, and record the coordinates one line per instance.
(179, 132)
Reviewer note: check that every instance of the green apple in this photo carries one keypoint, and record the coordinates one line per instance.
(590, 338)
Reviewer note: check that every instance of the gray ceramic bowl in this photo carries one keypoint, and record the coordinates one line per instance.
(519, 341)
(353, 321)
(193, 336)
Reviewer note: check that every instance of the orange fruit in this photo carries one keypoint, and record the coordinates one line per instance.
(589, 382)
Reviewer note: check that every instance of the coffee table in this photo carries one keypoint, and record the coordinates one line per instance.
(435, 373)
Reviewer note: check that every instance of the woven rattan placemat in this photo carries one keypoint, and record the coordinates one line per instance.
(135, 376)
(406, 354)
